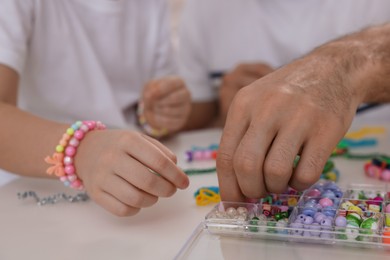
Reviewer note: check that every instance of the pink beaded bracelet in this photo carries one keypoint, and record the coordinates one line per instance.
(63, 158)
(157, 133)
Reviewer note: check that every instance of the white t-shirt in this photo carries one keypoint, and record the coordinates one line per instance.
(81, 59)
(217, 35)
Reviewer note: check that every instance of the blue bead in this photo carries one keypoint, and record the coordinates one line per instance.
(309, 211)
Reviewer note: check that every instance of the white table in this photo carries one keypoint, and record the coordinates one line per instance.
(86, 231)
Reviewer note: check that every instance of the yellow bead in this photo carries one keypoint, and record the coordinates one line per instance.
(59, 148)
(70, 131)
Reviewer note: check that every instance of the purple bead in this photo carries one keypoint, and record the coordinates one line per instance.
(329, 211)
(189, 156)
(300, 218)
(328, 194)
(326, 224)
(318, 217)
(297, 228)
(315, 229)
(309, 211)
(308, 220)
(340, 221)
(306, 234)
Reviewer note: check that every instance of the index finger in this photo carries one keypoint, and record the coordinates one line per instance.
(153, 158)
(231, 137)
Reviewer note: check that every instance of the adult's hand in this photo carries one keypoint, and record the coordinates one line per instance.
(243, 75)
(303, 108)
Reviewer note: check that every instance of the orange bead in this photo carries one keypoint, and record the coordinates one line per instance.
(386, 236)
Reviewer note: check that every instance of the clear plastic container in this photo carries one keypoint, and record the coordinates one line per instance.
(323, 214)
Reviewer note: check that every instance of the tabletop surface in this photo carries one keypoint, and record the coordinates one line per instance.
(86, 231)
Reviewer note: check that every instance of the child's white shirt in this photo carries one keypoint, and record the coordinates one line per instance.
(81, 59)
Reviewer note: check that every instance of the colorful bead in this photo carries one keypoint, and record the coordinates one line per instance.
(62, 159)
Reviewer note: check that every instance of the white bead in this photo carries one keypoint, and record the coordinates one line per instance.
(84, 128)
(231, 212)
(74, 142)
(242, 210)
(68, 160)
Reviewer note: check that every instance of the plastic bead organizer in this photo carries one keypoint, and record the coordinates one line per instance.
(325, 214)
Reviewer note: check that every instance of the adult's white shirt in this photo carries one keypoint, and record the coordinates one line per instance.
(217, 35)
(81, 59)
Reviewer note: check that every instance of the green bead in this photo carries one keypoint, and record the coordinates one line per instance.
(254, 222)
(278, 216)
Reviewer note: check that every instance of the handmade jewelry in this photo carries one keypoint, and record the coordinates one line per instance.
(62, 160)
(154, 132)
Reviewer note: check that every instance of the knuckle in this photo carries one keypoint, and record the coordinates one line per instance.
(224, 160)
(246, 163)
(161, 163)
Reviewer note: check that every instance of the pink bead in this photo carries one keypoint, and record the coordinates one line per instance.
(74, 142)
(72, 177)
(79, 134)
(70, 151)
(198, 155)
(91, 124)
(325, 202)
(69, 169)
(76, 184)
(207, 154)
(68, 160)
(314, 193)
(387, 209)
(63, 178)
(385, 175)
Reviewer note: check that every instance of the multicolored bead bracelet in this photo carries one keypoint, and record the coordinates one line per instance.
(62, 160)
(154, 132)
(378, 167)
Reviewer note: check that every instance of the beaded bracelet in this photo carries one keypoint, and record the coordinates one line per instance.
(157, 133)
(378, 167)
(63, 157)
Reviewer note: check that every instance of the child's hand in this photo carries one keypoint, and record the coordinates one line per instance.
(125, 171)
(167, 103)
(232, 82)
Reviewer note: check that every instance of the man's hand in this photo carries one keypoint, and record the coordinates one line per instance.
(232, 82)
(304, 108)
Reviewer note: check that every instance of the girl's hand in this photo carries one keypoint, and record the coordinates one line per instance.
(167, 103)
(125, 171)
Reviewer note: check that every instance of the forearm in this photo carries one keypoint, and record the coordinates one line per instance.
(25, 140)
(362, 62)
(202, 115)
